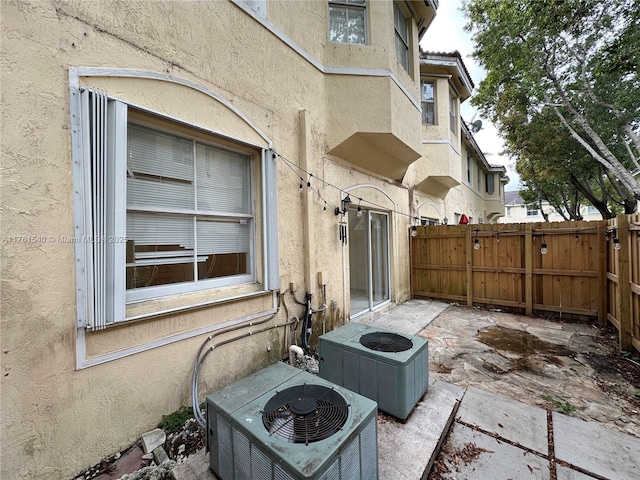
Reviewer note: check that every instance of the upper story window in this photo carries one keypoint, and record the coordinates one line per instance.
(401, 25)
(591, 210)
(469, 168)
(453, 112)
(532, 210)
(508, 211)
(478, 179)
(429, 221)
(427, 89)
(347, 21)
(490, 183)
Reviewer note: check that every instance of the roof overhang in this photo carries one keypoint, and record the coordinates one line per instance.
(449, 64)
(424, 11)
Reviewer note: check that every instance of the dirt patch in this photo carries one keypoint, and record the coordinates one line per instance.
(450, 459)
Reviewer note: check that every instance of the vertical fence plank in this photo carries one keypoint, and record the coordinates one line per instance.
(469, 263)
(528, 269)
(624, 284)
(602, 273)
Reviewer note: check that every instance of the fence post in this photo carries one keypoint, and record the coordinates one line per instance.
(624, 285)
(469, 268)
(528, 269)
(602, 272)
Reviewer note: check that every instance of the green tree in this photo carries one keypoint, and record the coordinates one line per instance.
(554, 167)
(580, 60)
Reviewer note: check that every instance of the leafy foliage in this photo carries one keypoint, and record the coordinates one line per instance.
(173, 422)
(563, 86)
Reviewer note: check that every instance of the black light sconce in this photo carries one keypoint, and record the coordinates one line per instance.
(616, 240)
(543, 248)
(346, 201)
(414, 230)
(476, 242)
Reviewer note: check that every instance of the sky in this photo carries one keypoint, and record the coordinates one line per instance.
(446, 35)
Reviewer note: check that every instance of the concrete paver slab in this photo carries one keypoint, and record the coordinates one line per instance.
(407, 450)
(482, 457)
(409, 318)
(596, 449)
(196, 467)
(565, 473)
(512, 420)
(552, 335)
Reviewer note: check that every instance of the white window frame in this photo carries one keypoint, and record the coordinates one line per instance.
(453, 112)
(532, 210)
(350, 6)
(100, 213)
(133, 295)
(399, 16)
(431, 102)
(429, 221)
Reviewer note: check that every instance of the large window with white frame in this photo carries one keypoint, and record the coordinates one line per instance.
(427, 89)
(189, 210)
(401, 27)
(167, 208)
(348, 21)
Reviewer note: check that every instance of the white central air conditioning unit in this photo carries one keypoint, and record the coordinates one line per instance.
(283, 423)
(387, 367)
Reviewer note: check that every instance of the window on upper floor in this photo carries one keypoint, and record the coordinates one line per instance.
(427, 88)
(453, 112)
(401, 26)
(490, 183)
(591, 210)
(166, 208)
(478, 179)
(469, 168)
(532, 210)
(429, 221)
(348, 21)
(508, 211)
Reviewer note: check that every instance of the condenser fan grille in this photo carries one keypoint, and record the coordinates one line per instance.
(305, 413)
(386, 342)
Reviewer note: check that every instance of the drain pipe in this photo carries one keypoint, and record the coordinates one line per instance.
(294, 351)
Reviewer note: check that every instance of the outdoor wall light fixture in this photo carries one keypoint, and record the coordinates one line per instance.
(543, 248)
(476, 242)
(359, 212)
(414, 230)
(616, 240)
(346, 201)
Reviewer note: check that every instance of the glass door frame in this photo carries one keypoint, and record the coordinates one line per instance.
(371, 304)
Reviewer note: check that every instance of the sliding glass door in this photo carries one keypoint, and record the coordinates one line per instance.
(368, 242)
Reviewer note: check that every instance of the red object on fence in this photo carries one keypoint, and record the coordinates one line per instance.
(464, 219)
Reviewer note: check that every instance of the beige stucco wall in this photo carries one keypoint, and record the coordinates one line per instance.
(58, 419)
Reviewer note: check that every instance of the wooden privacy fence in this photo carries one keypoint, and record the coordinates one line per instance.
(623, 279)
(508, 269)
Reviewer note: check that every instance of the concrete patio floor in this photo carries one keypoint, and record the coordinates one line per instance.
(495, 381)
